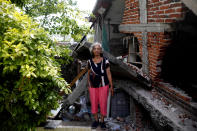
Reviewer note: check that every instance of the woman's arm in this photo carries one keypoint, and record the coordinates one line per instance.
(110, 80)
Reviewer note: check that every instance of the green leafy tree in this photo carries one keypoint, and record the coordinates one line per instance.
(19, 3)
(56, 16)
(30, 77)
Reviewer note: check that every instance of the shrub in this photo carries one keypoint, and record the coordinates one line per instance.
(29, 73)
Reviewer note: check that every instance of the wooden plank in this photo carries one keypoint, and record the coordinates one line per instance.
(75, 79)
(78, 76)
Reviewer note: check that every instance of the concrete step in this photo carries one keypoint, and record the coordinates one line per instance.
(65, 128)
(58, 125)
(70, 128)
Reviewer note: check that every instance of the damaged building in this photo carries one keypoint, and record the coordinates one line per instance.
(151, 46)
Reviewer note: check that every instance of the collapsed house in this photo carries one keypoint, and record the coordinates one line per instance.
(151, 47)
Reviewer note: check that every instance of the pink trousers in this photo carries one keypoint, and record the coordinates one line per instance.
(98, 96)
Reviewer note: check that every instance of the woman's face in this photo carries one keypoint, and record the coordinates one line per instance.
(97, 50)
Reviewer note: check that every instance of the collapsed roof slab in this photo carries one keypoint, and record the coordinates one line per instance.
(158, 110)
(164, 116)
(124, 71)
(135, 87)
(118, 67)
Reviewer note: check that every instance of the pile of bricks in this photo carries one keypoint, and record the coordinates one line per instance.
(139, 71)
(172, 90)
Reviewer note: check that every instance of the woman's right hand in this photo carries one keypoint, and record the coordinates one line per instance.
(112, 91)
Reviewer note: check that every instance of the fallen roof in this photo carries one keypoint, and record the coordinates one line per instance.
(118, 67)
(135, 87)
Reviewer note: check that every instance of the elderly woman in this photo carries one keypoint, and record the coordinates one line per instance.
(99, 79)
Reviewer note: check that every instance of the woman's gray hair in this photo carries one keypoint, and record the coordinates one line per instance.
(92, 47)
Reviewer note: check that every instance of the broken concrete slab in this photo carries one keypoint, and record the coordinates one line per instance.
(77, 92)
(158, 112)
(54, 113)
(118, 67)
(52, 124)
(136, 87)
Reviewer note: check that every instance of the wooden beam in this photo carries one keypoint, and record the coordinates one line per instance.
(78, 76)
(75, 79)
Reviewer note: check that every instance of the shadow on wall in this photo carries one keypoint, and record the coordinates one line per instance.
(179, 64)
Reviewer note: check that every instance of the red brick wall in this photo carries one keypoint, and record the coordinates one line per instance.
(161, 11)
(131, 12)
(165, 11)
(157, 44)
(158, 11)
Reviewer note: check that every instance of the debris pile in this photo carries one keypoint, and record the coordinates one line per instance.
(79, 111)
(181, 116)
(125, 124)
